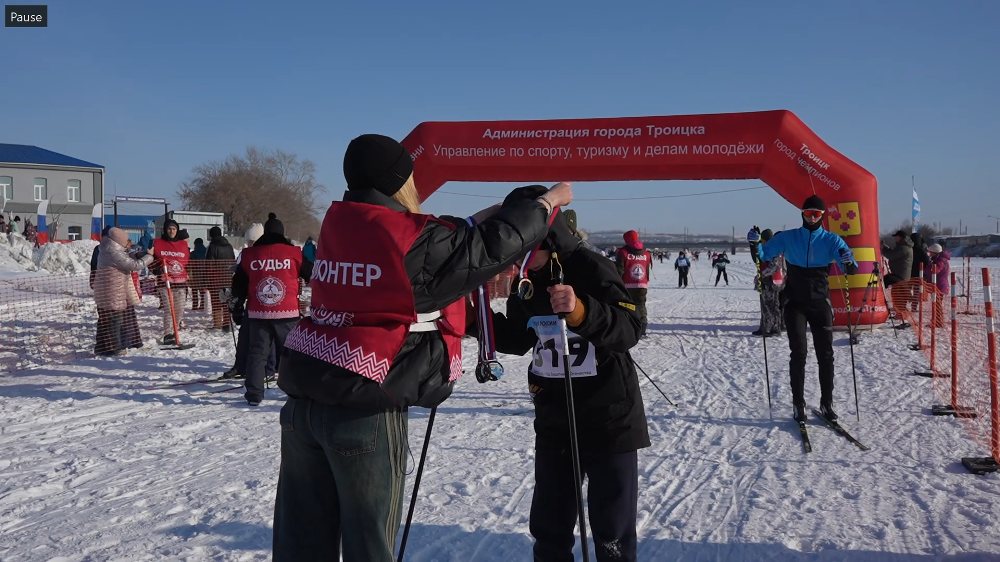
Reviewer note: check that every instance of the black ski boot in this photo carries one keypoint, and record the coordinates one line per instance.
(232, 373)
(800, 412)
(757, 333)
(827, 411)
(169, 339)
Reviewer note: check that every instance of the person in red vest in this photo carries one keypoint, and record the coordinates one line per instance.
(171, 255)
(635, 263)
(388, 307)
(267, 280)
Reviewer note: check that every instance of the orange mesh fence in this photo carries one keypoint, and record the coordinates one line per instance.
(56, 319)
(954, 331)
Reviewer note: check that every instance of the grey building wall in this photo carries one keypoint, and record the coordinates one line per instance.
(61, 210)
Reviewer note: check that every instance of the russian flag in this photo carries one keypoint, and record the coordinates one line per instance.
(96, 222)
(43, 227)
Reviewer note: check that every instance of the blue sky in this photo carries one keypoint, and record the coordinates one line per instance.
(152, 89)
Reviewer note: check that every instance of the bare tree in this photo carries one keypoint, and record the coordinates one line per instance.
(927, 232)
(245, 188)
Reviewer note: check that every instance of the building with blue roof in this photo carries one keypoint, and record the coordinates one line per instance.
(73, 187)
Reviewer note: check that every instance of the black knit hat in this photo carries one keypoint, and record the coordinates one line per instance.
(273, 225)
(766, 235)
(214, 231)
(377, 162)
(814, 202)
(170, 222)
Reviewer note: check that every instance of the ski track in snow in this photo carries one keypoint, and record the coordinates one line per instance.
(96, 465)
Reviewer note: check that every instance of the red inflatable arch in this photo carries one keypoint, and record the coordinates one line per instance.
(773, 146)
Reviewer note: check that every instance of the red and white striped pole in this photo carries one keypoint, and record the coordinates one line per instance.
(954, 342)
(968, 285)
(920, 310)
(934, 319)
(991, 346)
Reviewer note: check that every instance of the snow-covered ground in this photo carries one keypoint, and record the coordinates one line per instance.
(96, 464)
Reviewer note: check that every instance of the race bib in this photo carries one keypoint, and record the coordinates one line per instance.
(547, 357)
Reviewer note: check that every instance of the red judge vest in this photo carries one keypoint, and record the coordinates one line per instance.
(274, 281)
(636, 274)
(362, 300)
(175, 256)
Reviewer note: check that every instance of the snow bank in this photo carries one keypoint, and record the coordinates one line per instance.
(65, 258)
(17, 256)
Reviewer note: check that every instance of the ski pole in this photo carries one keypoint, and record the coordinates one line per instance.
(571, 410)
(763, 337)
(854, 373)
(416, 484)
(652, 381)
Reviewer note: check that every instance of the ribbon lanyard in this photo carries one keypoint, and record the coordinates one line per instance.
(525, 290)
(488, 368)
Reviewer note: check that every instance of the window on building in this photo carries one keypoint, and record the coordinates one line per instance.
(7, 187)
(76, 233)
(41, 189)
(73, 191)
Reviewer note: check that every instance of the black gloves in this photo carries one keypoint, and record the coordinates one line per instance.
(235, 306)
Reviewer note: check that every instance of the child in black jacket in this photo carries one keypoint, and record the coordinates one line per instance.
(611, 423)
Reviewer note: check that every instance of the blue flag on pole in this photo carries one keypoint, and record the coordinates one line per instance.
(916, 211)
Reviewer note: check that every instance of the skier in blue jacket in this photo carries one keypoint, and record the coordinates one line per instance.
(808, 253)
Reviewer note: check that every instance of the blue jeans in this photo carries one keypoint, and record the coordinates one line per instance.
(340, 485)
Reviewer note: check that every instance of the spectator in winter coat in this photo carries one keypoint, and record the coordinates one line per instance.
(920, 256)
(15, 225)
(901, 267)
(939, 273)
(199, 251)
(115, 290)
(309, 250)
(772, 279)
(682, 265)
(611, 423)
(95, 254)
(940, 270)
(900, 259)
(198, 274)
(219, 257)
(344, 437)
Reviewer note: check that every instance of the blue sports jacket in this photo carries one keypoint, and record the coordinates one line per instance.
(808, 255)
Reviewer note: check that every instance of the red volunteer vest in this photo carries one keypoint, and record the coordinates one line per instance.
(175, 256)
(636, 274)
(362, 300)
(274, 281)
